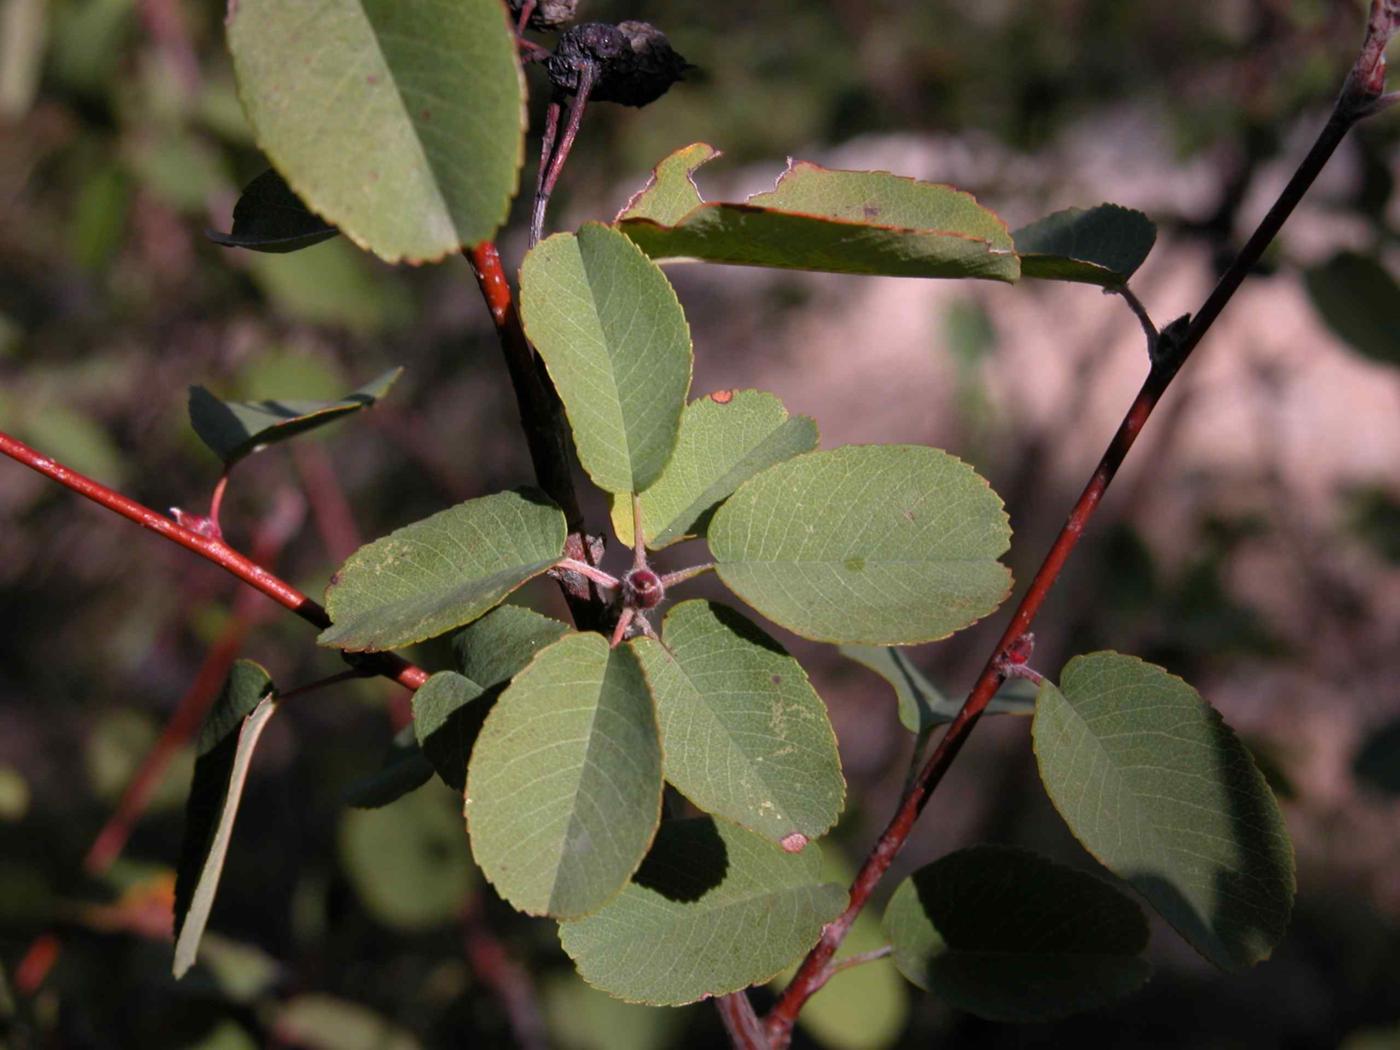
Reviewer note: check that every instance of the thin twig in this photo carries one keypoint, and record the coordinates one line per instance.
(670, 579)
(744, 1028)
(1165, 366)
(1135, 304)
(551, 130)
(859, 959)
(550, 175)
(507, 979)
(211, 549)
(599, 576)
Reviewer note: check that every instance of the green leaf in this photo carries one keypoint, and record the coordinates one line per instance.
(497, 647)
(922, 706)
(323, 1022)
(712, 910)
(441, 572)
(1103, 245)
(448, 711)
(564, 789)
(399, 123)
(1156, 786)
(408, 862)
(404, 769)
(446, 722)
(1360, 301)
(584, 1018)
(725, 439)
(269, 217)
(671, 192)
(859, 222)
(1011, 936)
(881, 544)
(226, 743)
(616, 343)
(234, 429)
(745, 735)
(333, 285)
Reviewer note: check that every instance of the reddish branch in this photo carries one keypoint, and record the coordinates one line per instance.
(506, 978)
(1358, 98)
(542, 418)
(211, 549)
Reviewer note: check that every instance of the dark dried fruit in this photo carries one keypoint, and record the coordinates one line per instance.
(633, 62)
(548, 14)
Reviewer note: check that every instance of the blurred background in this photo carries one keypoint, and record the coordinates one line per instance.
(1251, 545)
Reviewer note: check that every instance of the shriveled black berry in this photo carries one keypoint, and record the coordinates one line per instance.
(548, 14)
(633, 62)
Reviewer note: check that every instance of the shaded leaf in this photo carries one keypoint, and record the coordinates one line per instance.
(615, 340)
(742, 908)
(744, 734)
(226, 743)
(881, 544)
(408, 862)
(858, 222)
(1377, 763)
(333, 285)
(1360, 301)
(1011, 936)
(234, 429)
(1103, 245)
(1157, 787)
(496, 647)
(269, 217)
(439, 573)
(405, 768)
(921, 704)
(446, 723)
(671, 192)
(399, 123)
(564, 789)
(584, 1018)
(725, 439)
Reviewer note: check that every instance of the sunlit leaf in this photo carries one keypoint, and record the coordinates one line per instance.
(745, 736)
(564, 788)
(234, 429)
(1011, 936)
(616, 343)
(400, 123)
(858, 222)
(725, 439)
(880, 544)
(226, 744)
(713, 909)
(269, 217)
(437, 574)
(671, 192)
(1157, 787)
(921, 704)
(1103, 245)
(408, 862)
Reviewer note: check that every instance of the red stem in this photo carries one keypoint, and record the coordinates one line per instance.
(215, 550)
(506, 978)
(816, 970)
(744, 1028)
(542, 418)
